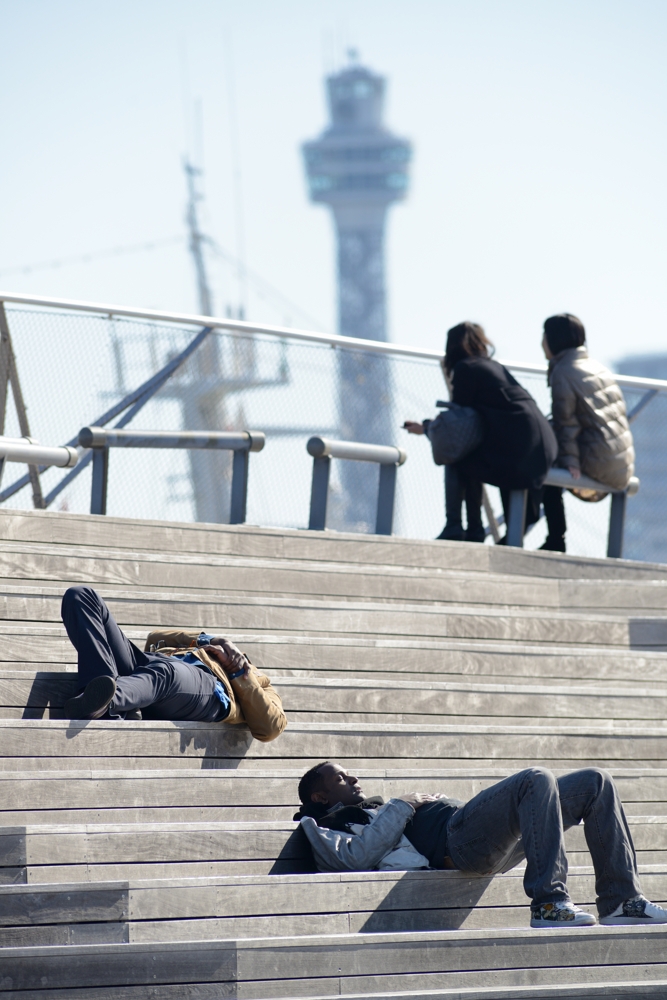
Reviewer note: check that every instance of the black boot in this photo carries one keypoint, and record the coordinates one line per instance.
(453, 529)
(553, 544)
(475, 531)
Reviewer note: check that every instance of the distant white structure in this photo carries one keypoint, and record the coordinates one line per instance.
(359, 169)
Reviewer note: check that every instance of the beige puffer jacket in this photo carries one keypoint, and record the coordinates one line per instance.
(590, 419)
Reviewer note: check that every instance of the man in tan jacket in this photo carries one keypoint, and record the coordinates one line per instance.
(180, 675)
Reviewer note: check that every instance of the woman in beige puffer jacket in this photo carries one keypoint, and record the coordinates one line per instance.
(588, 416)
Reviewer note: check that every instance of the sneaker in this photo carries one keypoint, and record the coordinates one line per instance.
(636, 911)
(93, 701)
(564, 914)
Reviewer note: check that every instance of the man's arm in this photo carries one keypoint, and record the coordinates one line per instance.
(260, 702)
(349, 852)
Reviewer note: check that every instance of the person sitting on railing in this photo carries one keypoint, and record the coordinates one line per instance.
(589, 418)
(518, 447)
(180, 675)
(522, 816)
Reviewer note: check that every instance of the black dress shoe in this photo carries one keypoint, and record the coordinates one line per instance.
(93, 701)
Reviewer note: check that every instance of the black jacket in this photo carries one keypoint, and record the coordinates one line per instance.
(519, 446)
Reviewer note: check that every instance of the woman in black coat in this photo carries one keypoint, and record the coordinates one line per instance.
(519, 446)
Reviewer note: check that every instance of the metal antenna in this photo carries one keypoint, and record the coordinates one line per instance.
(197, 240)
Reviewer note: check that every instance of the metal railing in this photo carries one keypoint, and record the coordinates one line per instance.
(388, 458)
(28, 451)
(562, 478)
(274, 500)
(241, 443)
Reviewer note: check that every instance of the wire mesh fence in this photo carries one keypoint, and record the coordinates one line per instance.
(73, 366)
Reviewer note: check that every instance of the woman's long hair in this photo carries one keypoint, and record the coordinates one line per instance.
(466, 340)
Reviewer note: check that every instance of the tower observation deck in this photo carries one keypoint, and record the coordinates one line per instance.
(359, 169)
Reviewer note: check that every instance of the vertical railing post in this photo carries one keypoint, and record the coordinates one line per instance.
(616, 525)
(384, 521)
(98, 494)
(239, 486)
(319, 494)
(517, 518)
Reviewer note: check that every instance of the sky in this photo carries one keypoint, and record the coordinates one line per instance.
(537, 186)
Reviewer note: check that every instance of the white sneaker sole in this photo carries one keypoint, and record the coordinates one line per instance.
(627, 921)
(550, 925)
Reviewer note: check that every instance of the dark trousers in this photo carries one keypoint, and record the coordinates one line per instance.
(163, 687)
(460, 489)
(525, 815)
(554, 510)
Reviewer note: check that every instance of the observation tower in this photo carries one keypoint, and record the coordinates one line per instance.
(359, 168)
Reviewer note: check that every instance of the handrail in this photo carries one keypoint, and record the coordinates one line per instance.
(563, 478)
(100, 440)
(320, 447)
(25, 451)
(100, 437)
(386, 456)
(243, 328)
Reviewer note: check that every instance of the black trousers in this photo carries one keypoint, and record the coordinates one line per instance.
(554, 509)
(163, 687)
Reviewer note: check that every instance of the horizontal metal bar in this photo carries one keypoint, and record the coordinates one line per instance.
(13, 450)
(561, 477)
(320, 447)
(242, 328)
(100, 437)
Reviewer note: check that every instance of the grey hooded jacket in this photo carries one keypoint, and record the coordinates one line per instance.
(589, 419)
(380, 845)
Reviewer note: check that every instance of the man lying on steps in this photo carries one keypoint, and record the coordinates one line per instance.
(180, 675)
(520, 817)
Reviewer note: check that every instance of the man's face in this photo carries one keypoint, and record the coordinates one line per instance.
(338, 786)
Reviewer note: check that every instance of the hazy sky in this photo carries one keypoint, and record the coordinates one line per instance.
(539, 170)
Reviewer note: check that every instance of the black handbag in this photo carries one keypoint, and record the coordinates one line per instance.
(455, 433)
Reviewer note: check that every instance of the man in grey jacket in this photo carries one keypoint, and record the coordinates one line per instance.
(522, 816)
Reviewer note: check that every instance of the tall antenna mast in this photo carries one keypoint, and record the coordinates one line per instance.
(197, 240)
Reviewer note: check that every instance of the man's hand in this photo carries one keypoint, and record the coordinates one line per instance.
(574, 471)
(412, 427)
(229, 656)
(417, 799)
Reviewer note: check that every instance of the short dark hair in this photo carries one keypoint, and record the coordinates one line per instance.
(564, 331)
(466, 340)
(311, 782)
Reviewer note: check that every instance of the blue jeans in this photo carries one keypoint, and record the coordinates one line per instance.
(525, 815)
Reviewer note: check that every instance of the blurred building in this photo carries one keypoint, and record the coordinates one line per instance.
(646, 520)
(359, 168)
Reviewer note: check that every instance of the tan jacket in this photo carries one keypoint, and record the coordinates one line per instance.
(589, 419)
(253, 699)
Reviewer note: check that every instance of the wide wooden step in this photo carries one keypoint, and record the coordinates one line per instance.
(23, 646)
(66, 565)
(45, 743)
(193, 909)
(60, 528)
(353, 699)
(33, 850)
(151, 609)
(332, 965)
(219, 794)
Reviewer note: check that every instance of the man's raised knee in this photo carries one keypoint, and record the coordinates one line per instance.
(77, 595)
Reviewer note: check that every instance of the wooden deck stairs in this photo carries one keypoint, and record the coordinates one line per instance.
(160, 861)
